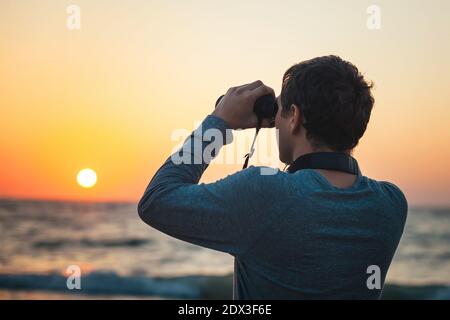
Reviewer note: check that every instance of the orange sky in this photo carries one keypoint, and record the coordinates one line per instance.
(108, 96)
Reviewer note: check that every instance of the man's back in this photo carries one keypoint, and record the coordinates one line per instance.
(293, 235)
(323, 239)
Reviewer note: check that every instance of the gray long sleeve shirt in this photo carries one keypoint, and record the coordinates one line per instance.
(293, 236)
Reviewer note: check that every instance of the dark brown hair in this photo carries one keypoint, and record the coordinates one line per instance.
(334, 99)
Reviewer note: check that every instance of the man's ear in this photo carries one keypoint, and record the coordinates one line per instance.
(296, 118)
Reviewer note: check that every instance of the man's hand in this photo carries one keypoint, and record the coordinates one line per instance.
(236, 107)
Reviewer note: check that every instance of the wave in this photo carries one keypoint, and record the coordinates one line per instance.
(110, 283)
(182, 287)
(89, 243)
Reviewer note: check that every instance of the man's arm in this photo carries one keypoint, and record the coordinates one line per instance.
(224, 215)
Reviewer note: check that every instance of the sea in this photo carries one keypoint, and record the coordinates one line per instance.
(119, 257)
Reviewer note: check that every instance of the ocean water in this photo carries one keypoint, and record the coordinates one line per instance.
(120, 257)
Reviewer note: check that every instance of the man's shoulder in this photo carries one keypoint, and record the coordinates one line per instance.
(257, 175)
(262, 171)
(394, 194)
(258, 179)
(392, 190)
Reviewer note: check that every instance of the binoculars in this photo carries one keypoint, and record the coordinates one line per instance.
(265, 107)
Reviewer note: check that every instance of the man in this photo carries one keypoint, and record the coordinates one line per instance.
(308, 234)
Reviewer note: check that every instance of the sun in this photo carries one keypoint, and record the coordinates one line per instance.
(87, 178)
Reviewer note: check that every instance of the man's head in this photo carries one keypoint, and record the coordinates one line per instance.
(324, 105)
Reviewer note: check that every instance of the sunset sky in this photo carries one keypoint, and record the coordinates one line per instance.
(110, 95)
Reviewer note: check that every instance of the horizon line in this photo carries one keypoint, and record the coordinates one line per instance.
(124, 201)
